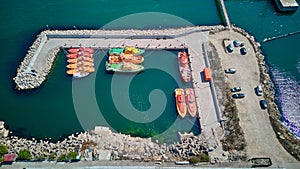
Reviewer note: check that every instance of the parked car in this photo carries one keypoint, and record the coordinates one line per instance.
(238, 95)
(229, 48)
(259, 90)
(263, 104)
(236, 43)
(243, 51)
(236, 89)
(230, 70)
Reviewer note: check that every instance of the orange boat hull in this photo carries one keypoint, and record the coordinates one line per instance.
(73, 50)
(180, 102)
(184, 68)
(72, 56)
(191, 101)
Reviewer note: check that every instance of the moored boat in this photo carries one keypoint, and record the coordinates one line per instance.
(180, 102)
(135, 59)
(89, 69)
(72, 66)
(87, 59)
(73, 50)
(72, 60)
(184, 68)
(133, 50)
(87, 54)
(71, 71)
(123, 67)
(72, 55)
(191, 101)
(80, 74)
(88, 64)
(80, 62)
(90, 50)
(116, 51)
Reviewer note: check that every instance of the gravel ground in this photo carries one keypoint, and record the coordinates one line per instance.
(259, 135)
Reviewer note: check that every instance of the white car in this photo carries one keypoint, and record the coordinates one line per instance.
(230, 70)
(259, 90)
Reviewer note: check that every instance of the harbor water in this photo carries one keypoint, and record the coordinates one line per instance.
(51, 111)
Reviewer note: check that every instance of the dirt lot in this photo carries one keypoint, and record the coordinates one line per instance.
(259, 135)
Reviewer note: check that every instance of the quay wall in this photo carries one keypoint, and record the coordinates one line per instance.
(287, 5)
(28, 78)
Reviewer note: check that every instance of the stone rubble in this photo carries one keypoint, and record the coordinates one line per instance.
(121, 146)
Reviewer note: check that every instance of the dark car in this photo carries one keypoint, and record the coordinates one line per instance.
(236, 89)
(243, 51)
(236, 43)
(230, 70)
(263, 104)
(238, 95)
(229, 48)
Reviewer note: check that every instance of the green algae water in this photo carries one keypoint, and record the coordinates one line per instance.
(51, 110)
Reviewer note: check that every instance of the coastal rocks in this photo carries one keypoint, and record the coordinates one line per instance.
(27, 76)
(41, 149)
(3, 132)
(189, 145)
(115, 145)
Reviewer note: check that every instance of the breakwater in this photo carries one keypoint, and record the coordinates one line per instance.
(38, 61)
(280, 36)
(118, 146)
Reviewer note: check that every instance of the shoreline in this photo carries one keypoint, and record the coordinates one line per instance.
(282, 133)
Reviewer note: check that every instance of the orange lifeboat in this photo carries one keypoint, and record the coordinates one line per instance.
(72, 55)
(71, 71)
(89, 69)
(72, 60)
(180, 102)
(90, 50)
(87, 59)
(190, 101)
(184, 68)
(87, 54)
(72, 66)
(88, 64)
(73, 50)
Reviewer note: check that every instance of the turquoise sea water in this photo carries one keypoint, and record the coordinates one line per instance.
(50, 111)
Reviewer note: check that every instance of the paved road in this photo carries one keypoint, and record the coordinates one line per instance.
(259, 135)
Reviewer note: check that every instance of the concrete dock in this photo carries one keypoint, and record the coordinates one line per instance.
(226, 17)
(287, 5)
(38, 62)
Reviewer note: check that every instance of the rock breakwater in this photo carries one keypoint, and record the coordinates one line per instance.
(119, 146)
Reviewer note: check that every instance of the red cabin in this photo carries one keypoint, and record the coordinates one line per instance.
(207, 76)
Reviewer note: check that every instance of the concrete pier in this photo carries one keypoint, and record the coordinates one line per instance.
(228, 24)
(38, 62)
(287, 5)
